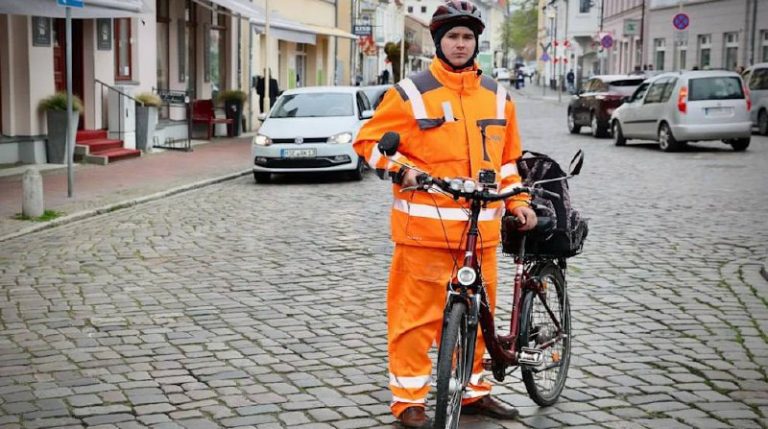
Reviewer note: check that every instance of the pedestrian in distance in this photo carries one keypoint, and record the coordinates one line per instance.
(452, 121)
(570, 78)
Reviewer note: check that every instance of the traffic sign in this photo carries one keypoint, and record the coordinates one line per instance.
(606, 41)
(70, 3)
(545, 57)
(681, 21)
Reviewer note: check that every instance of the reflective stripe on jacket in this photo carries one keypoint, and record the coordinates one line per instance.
(450, 125)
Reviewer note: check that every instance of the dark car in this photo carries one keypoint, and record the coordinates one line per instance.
(593, 105)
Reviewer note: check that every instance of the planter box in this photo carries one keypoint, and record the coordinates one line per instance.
(146, 123)
(56, 145)
(234, 111)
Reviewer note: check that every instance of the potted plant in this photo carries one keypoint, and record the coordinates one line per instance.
(233, 100)
(146, 119)
(55, 109)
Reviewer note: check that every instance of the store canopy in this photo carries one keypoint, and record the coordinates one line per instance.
(91, 9)
(283, 28)
(331, 31)
(241, 8)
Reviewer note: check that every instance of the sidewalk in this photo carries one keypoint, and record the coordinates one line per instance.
(536, 92)
(99, 189)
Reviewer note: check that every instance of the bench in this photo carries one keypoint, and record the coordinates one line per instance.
(203, 113)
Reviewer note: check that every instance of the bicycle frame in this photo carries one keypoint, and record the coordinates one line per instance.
(503, 348)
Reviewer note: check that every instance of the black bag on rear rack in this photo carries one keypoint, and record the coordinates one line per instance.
(570, 230)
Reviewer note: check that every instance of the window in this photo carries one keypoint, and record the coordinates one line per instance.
(682, 55)
(715, 88)
(731, 50)
(640, 92)
(764, 45)
(216, 52)
(705, 48)
(313, 104)
(410, 9)
(301, 64)
(585, 6)
(163, 49)
(668, 88)
(656, 91)
(660, 48)
(759, 79)
(423, 9)
(122, 49)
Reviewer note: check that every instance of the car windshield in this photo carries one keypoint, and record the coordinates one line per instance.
(624, 87)
(715, 88)
(313, 104)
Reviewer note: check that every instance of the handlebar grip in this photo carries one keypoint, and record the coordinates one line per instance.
(423, 179)
(551, 194)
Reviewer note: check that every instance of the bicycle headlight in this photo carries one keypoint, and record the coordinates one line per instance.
(341, 138)
(262, 140)
(466, 276)
(469, 186)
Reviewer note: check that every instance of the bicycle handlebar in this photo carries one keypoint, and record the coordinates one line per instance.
(468, 189)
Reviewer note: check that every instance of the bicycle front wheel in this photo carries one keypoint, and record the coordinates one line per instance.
(539, 331)
(454, 367)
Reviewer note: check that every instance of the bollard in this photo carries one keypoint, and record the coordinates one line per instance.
(32, 189)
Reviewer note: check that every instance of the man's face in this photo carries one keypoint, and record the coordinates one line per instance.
(458, 45)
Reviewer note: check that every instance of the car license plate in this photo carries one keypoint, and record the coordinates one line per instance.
(718, 112)
(298, 153)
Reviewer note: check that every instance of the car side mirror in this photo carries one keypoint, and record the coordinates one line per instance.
(262, 117)
(366, 114)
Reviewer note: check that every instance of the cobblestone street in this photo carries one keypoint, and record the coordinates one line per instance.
(245, 305)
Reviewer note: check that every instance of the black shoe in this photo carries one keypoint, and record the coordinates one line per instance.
(490, 407)
(415, 417)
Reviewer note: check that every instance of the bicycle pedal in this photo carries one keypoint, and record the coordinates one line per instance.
(529, 356)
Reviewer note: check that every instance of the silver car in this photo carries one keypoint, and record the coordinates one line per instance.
(677, 108)
(756, 78)
(311, 130)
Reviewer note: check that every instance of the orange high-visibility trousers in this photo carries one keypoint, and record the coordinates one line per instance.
(415, 301)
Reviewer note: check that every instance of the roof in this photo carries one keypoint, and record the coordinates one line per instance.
(614, 77)
(697, 74)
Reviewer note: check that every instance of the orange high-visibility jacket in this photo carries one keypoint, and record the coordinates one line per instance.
(450, 125)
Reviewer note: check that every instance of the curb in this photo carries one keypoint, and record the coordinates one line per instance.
(122, 205)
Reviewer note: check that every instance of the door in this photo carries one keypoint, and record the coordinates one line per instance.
(60, 60)
(649, 112)
(629, 124)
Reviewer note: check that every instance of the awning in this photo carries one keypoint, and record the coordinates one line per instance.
(283, 28)
(91, 9)
(241, 8)
(331, 31)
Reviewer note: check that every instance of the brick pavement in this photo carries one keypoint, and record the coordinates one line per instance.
(243, 305)
(99, 189)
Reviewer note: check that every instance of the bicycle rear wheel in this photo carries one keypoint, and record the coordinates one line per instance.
(545, 382)
(454, 367)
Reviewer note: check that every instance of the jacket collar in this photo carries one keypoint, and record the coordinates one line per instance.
(467, 79)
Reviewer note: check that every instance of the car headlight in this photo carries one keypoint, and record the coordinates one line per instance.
(262, 140)
(340, 138)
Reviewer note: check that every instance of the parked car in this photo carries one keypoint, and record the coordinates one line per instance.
(593, 105)
(502, 74)
(311, 129)
(676, 108)
(756, 78)
(375, 93)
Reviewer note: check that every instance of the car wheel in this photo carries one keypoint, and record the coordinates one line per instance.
(598, 130)
(572, 127)
(667, 141)
(357, 173)
(762, 122)
(261, 177)
(739, 145)
(618, 135)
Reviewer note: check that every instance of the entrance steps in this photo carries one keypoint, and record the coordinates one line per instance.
(95, 147)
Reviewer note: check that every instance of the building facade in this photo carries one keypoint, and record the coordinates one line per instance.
(623, 22)
(721, 34)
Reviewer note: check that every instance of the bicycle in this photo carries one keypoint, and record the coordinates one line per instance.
(539, 337)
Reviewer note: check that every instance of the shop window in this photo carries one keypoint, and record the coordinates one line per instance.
(705, 50)
(216, 70)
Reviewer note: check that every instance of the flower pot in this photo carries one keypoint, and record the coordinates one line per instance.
(56, 144)
(234, 111)
(146, 123)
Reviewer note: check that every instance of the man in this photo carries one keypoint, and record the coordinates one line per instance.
(452, 122)
(569, 79)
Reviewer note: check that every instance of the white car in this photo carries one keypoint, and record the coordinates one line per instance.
(502, 74)
(756, 78)
(677, 108)
(311, 130)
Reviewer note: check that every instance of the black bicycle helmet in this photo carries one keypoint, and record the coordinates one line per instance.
(456, 13)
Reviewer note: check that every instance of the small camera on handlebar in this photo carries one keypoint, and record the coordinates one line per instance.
(487, 177)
